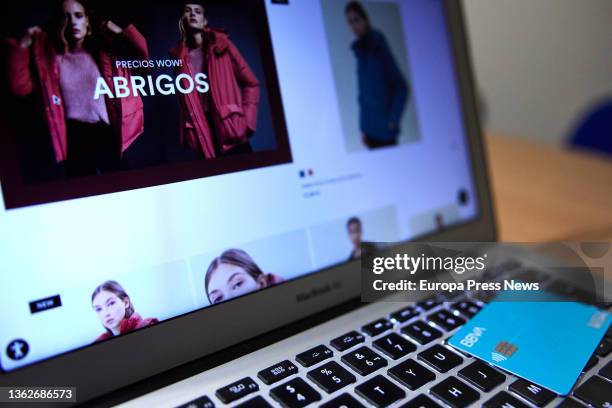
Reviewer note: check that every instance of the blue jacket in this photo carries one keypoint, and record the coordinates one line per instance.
(383, 91)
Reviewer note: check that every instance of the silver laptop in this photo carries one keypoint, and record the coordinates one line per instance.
(184, 205)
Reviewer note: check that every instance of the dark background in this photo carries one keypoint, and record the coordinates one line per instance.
(157, 20)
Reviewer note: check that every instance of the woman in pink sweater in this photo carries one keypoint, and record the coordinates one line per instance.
(62, 66)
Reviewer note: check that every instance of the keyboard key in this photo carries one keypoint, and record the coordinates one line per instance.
(380, 392)
(314, 355)
(331, 377)
(394, 345)
(277, 372)
(455, 393)
(571, 292)
(347, 341)
(504, 400)
(404, 314)
(257, 402)
(422, 401)
(485, 296)
(377, 327)
(595, 391)
(343, 401)
(364, 361)
(604, 348)
(202, 402)
(466, 308)
(295, 394)
(587, 297)
(421, 332)
(606, 371)
(449, 295)
(562, 288)
(446, 320)
(483, 376)
(428, 304)
(440, 358)
(411, 374)
(591, 363)
(570, 403)
(535, 394)
(237, 390)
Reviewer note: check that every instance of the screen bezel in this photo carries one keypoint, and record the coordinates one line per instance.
(125, 360)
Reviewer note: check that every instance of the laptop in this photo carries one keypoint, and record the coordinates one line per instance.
(184, 205)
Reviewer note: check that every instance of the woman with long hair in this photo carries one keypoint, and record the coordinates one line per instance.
(382, 88)
(62, 65)
(116, 311)
(220, 121)
(234, 273)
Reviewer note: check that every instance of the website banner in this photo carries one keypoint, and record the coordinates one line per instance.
(126, 97)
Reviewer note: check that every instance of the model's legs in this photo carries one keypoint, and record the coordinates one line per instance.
(108, 151)
(81, 157)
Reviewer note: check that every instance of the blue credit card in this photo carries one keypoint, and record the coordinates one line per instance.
(547, 343)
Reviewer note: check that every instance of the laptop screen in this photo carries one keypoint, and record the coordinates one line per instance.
(160, 157)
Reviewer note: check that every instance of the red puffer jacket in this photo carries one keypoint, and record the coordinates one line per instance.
(134, 322)
(34, 69)
(234, 94)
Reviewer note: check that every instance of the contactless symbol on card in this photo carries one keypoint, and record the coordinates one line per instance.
(503, 351)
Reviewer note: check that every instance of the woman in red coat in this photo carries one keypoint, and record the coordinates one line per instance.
(62, 66)
(218, 122)
(116, 311)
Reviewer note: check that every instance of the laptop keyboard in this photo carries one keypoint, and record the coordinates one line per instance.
(402, 360)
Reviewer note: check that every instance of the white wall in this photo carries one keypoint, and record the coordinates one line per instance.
(541, 64)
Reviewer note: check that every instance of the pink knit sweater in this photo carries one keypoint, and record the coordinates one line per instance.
(78, 77)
